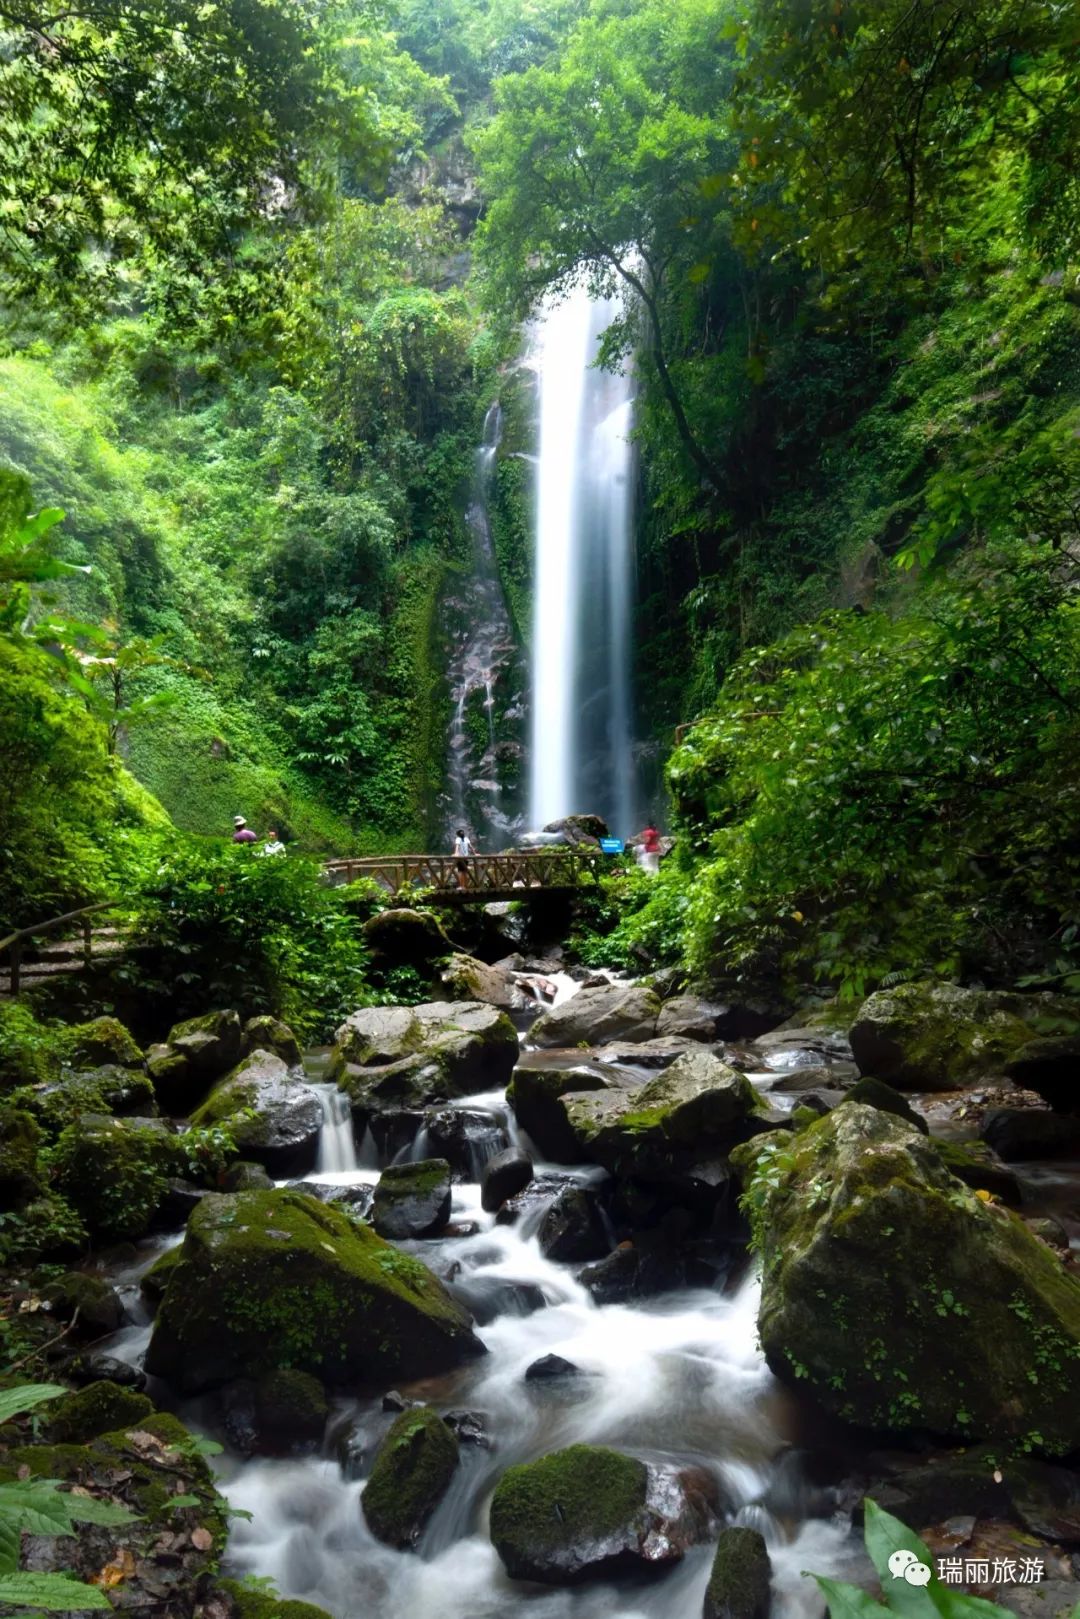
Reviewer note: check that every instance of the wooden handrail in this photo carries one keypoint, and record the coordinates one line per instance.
(15, 941)
(56, 921)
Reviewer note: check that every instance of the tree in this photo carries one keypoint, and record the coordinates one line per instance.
(608, 166)
(157, 132)
(870, 125)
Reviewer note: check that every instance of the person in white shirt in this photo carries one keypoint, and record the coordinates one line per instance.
(464, 848)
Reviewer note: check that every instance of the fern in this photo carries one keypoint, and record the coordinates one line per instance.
(36, 1506)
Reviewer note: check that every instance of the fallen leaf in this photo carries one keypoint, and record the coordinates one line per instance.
(113, 1573)
(202, 1539)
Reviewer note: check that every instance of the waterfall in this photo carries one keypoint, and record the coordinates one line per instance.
(581, 756)
(481, 666)
(337, 1144)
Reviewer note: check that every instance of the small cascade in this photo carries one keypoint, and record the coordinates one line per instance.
(581, 746)
(337, 1144)
(483, 675)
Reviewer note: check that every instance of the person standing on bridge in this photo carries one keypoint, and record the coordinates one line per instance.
(464, 849)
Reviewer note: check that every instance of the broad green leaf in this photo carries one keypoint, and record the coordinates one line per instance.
(9, 1546)
(848, 1602)
(88, 1509)
(35, 1507)
(185, 1501)
(14, 1402)
(57, 1593)
(886, 1535)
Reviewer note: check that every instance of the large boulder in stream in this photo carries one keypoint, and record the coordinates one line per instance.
(588, 1513)
(698, 1108)
(102, 1042)
(940, 1037)
(195, 1054)
(272, 1279)
(470, 980)
(411, 1474)
(272, 1115)
(595, 1016)
(900, 1299)
(391, 1057)
(541, 1079)
(412, 1200)
(739, 1582)
(1050, 1067)
(401, 937)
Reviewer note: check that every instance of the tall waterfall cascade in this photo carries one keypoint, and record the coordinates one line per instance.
(484, 678)
(581, 748)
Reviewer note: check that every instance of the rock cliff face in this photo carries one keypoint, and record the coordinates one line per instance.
(901, 1299)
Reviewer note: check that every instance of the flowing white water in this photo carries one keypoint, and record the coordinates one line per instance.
(337, 1144)
(482, 666)
(581, 756)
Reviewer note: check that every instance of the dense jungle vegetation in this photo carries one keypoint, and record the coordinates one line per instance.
(263, 267)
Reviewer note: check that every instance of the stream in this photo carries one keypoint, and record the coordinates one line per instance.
(676, 1378)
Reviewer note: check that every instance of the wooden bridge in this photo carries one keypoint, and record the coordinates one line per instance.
(447, 880)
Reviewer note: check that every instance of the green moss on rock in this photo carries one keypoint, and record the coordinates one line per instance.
(738, 1585)
(114, 1172)
(542, 1512)
(102, 1041)
(249, 1604)
(898, 1298)
(155, 1280)
(292, 1407)
(100, 1408)
(411, 1473)
(271, 1279)
(20, 1138)
(937, 1037)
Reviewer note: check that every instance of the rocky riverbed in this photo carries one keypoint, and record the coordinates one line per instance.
(568, 1299)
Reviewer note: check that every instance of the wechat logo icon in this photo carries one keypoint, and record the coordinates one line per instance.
(904, 1565)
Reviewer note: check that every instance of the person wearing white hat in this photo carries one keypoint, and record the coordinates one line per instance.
(243, 832)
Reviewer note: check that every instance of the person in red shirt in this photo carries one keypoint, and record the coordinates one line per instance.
(243, 832)
(650, 848)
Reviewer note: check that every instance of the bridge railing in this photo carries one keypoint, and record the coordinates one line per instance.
(471, 876)
(76, 943)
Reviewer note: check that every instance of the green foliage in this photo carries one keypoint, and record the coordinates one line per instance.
(224, 927)
(632, 919)
(884, 1536)
(195, 121)
(36, 1506)
(881, 795)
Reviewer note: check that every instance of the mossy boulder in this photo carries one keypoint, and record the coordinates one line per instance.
(103, 1042)
(937, 1037)
(739, 1581)
(273, 1116)
(145, 1466)
(470, 980)
(45, 1228)
(29, 1050)
(20, 1137)
(698, 1108)
(979, 1167)
(266, 1033)
(114, 1172)
(111, 1090)
(404, 938)
(594, 1016)
(541, 1079)
(273, 1279)
(387, 1058)
(1019, 1133)
(97, 1304)
(592, 1513)
(875, 1093)
(100, 1408)
(197, 1052)
(244, 1176)
(412, 1200)
(898, 1298)
(409, 1477)
(244, 1603)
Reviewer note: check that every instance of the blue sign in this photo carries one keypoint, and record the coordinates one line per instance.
(612, 845)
